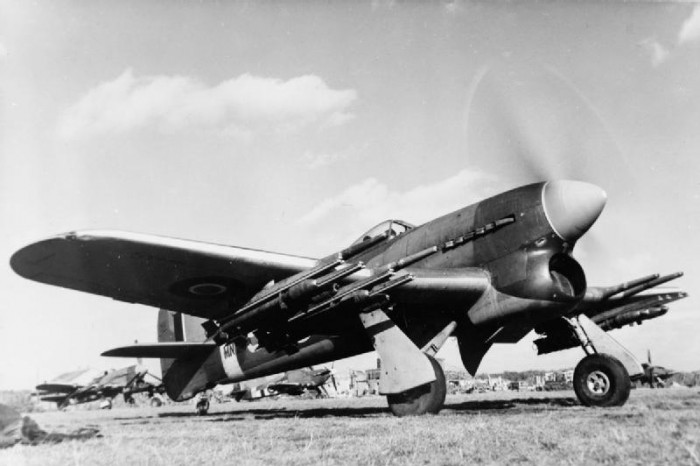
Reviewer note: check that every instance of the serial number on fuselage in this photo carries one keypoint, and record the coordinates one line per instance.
(229, 350)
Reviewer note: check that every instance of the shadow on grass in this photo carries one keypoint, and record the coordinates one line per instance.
(476, 406)
(283, 413)
(514, 404)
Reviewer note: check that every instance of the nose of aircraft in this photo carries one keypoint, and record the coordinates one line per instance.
(572, 206)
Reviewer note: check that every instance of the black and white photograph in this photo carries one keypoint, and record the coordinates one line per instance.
(371, 232)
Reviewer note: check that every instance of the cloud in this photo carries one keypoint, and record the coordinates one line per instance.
(241, 107)
(314, 160)
(688, 33)
(658, 52)
(690, 30)
(343, 217)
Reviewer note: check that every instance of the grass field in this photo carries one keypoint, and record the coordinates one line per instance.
(654, 427)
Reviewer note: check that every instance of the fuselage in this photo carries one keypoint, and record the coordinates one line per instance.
(520, 241)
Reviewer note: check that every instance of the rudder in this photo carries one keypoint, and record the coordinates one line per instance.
(176, 326)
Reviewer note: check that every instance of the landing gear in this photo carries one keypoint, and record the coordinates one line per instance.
(156, 401)
(202, 407)
(601, 380)
(425, 399)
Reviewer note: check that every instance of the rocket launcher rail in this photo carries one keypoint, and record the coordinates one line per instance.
(627, 289)
(381, 275)
(317, 271)
(654, 283)
(307, 284)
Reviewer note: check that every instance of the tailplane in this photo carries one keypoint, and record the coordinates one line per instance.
(177, 327)
(183, 351)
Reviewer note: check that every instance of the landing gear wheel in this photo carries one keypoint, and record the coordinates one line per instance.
(427, 398)
(601, 380)
(156, 402)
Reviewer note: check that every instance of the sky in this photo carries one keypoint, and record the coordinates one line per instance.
(296, 126)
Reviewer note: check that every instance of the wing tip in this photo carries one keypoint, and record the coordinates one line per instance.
(27, 258)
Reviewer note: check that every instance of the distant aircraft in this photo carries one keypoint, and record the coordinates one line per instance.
(84, 386)
(655, 376)
(295, 382)
(487, 273)
(300, 381)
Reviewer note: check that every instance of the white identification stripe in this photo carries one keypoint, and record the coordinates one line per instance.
(229, 359)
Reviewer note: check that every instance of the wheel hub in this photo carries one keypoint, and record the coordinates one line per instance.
(598, 382)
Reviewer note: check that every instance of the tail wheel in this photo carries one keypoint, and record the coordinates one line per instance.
(601, 380)
(156, 402)
(426, 399)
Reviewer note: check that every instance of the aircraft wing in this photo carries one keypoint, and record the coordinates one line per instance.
(57, 388)
(70, 381)
(53, 398)
(200, 279)
(119, 377)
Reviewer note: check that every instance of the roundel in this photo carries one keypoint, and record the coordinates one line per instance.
(206, 287)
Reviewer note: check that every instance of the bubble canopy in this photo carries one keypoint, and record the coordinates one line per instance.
(392, 227)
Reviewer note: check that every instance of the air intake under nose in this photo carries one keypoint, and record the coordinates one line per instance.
(572, 207)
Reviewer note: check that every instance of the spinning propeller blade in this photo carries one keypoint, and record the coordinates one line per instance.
(529, 123)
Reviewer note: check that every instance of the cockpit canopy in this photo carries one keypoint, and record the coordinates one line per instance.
(393, 227)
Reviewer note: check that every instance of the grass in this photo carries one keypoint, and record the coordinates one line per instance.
(654, 427)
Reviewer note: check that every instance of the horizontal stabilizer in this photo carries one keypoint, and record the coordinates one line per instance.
(175, 350)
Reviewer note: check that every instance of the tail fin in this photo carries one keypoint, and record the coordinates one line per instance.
(174, 327)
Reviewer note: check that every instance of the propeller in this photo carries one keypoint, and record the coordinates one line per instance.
(331, 372)
(335, 385)
(527, 122)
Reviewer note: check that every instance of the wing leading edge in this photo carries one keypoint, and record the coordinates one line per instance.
(196, 278)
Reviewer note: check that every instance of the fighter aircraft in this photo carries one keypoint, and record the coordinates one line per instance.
(655, 376)
(84, 386)
(300, 381)
(295, 383)
(487, 273)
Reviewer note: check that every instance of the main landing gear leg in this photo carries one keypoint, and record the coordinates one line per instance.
(413, 382)
(602, 378)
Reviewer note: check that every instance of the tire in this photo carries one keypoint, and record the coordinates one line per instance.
(601, 380)
(156, 402)
(425, 399)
